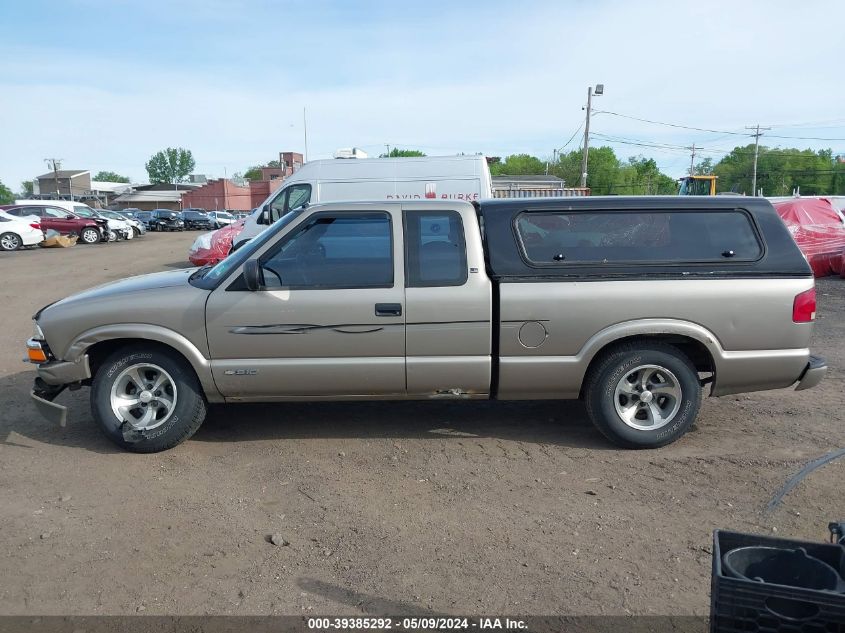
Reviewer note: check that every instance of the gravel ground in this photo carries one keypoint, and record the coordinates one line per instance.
(400, 508)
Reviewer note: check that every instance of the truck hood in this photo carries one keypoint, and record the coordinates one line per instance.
(131, 285)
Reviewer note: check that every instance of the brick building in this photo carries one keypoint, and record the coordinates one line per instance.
(218, 194)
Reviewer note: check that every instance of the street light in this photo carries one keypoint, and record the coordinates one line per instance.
(599, 90)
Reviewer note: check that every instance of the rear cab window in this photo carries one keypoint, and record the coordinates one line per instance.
(435, 249)
(549, 238)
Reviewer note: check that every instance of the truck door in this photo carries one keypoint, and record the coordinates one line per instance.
(330, 321)
(448, 299)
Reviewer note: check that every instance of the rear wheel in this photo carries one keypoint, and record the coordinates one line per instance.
(147, 399)
(10, 241)
(89, 235)
(643, 395)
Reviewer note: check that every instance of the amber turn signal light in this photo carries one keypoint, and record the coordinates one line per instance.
(36, 355)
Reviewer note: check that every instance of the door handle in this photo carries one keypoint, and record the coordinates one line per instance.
(388, 309)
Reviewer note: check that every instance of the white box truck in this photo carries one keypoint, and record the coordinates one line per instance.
(434, 177)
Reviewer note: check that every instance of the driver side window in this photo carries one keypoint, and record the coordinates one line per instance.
(292, 197)
(334, 251)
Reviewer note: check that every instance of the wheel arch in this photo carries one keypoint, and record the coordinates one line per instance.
(697, 343)
(98, 343)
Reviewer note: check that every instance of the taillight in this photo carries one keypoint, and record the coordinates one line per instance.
(36, 226)
(804, 306)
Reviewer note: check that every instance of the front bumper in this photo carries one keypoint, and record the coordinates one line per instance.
(49, 410)
(813, 373)
(53, 378)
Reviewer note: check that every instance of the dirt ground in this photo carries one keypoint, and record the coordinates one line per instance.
(389, 508)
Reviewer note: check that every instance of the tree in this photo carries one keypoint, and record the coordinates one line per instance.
(110, 176)
(779, 171)
(704, 167)
(518, 165)
(6, 195)
(254, 172)
(171, 165)
(402, 153)
(26, 188)
(606, 174)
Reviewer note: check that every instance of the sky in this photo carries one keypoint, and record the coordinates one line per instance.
(104, 84)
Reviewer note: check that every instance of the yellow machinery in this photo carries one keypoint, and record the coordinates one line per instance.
(697, 186)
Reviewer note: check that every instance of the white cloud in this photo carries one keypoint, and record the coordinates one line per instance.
(511, 79)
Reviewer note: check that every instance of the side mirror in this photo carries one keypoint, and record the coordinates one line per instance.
(264, 215)
(253, 278)
(68, 217)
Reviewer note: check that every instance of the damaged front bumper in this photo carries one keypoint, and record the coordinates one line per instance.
(53, 378)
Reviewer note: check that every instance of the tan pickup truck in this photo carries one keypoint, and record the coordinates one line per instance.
(635, 305)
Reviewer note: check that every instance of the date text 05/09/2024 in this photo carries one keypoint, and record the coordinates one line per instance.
(416, 624)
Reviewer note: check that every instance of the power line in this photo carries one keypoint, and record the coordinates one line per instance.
(685, 148)
(702, 129)
(678, 125)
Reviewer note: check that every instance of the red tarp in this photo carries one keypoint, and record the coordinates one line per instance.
(210, 248)
(818, 229)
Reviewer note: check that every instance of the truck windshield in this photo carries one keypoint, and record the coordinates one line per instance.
(220, 270)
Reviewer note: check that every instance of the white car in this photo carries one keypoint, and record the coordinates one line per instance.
(118, 229)
(138, 227)
(219, 219)
(18, 232)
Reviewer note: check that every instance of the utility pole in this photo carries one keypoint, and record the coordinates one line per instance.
(305, 132)
(757, 134)
(55, 164)
(599, 91)
(692, 160)
(387, 146)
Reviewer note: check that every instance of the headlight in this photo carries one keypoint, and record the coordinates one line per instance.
(36, 331)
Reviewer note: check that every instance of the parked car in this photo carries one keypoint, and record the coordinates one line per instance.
(636, 305)
(129, 212)
(144, 217)
(220, 219)
(17, 232)
(113, 230)
(138, 228)
(117, 226)
(196, 219)
(89, 230)
(165, 220)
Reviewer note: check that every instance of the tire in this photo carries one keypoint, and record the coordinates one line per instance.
(151, 426)
(89, 235)
(136, 232)
(614, 387)
(10, 242)
(114, 236)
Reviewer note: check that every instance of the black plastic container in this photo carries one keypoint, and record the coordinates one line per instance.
(743, 605)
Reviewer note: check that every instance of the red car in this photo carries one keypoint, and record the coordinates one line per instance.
(89, 230)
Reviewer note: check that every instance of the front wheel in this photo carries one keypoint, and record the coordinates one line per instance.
(147, 399)
(90, 236)
(10, 242)
(643, 395)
